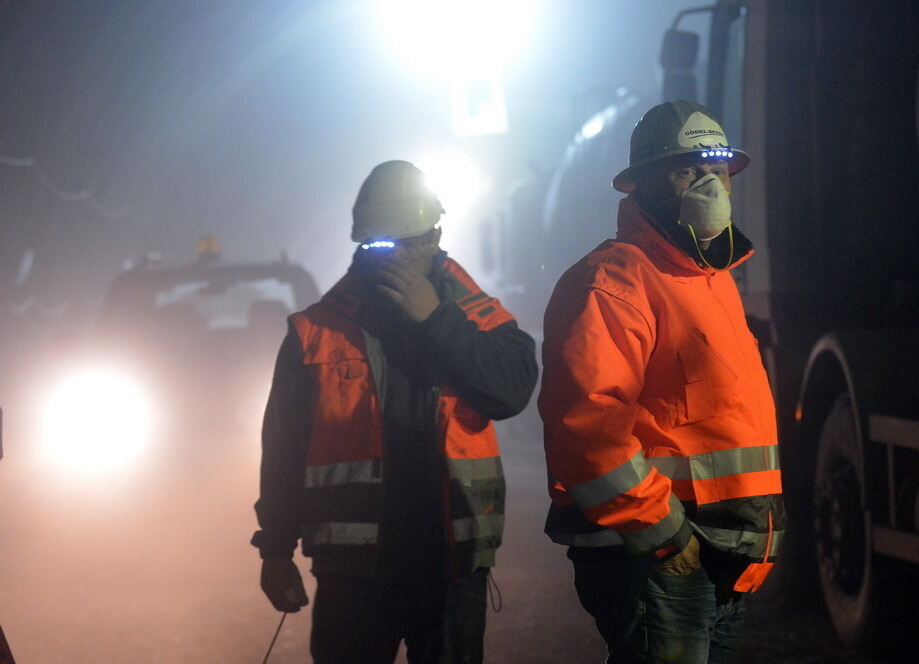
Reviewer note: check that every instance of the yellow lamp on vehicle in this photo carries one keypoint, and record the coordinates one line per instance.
(96, 419)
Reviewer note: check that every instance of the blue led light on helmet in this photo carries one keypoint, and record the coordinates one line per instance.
(379, 244)
(722, 153)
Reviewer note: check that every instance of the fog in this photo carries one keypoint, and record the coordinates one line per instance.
(154, 123)
(130, 128)
(133, 128)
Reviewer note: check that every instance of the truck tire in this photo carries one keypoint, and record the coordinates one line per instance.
(842, 526)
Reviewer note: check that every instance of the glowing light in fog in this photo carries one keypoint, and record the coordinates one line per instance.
(478, 106)
(459, 38)
(457, 183)
(593, 126)
(96, 419)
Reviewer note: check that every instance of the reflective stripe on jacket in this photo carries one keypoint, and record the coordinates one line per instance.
(342, 485)
(655, 403)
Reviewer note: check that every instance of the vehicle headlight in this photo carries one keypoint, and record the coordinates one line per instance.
(96, 419)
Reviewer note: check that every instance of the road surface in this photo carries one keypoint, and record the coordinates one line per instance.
(152, 567)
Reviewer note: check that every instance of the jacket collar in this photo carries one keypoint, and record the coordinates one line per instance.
(639, 228)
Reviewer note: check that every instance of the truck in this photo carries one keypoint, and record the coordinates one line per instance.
(177, 361)
(823, 96)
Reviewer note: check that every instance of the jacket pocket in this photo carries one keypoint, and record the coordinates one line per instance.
(694, 402)
(349, 369)
(341, 389)
(706, 379)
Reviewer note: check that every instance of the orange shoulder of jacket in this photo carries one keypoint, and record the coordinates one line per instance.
(613, 267)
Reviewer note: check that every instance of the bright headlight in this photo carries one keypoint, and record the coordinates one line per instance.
(96, 419)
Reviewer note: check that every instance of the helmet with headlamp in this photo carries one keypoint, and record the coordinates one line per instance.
(674, 129)
(394, 202)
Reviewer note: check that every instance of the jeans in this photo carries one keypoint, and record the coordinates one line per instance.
(647, 617)
(359, 620)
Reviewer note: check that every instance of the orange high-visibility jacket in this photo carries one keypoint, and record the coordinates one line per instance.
(345, 438)
(656, 405)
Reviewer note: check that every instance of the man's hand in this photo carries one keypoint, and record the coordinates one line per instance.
(282, 584)
(407, 288)
(685, 562)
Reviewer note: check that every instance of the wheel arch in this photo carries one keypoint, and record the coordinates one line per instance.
(828, 374)
(879, 369)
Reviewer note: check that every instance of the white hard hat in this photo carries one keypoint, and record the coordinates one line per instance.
(675, 128)
(394, 202)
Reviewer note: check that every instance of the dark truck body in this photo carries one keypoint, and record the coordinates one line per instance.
(822, 95)
(826, 103)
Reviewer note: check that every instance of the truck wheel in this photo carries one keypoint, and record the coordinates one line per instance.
(843, 527)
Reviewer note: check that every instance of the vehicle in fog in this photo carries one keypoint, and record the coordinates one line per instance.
(823, 96)
(176, 353)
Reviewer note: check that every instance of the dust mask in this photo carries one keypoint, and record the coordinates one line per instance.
(706, 208)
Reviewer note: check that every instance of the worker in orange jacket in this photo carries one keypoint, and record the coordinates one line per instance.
(660, 431)
(378, 449)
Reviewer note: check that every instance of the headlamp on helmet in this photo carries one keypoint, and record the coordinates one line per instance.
(394, 202)
(719, 153)
(378, 244)
(674, 129)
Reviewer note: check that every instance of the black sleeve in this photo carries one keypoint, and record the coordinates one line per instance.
(284, 435)
(494, 370)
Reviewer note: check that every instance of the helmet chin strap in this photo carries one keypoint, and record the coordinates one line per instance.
(695, 240)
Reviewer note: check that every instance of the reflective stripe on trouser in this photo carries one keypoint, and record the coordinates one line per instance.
(339, 474)
(718, 464)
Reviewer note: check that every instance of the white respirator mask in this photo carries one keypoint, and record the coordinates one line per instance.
(705, 208)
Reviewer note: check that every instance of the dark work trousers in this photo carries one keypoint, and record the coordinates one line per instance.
(647, 617)
(361, 621)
